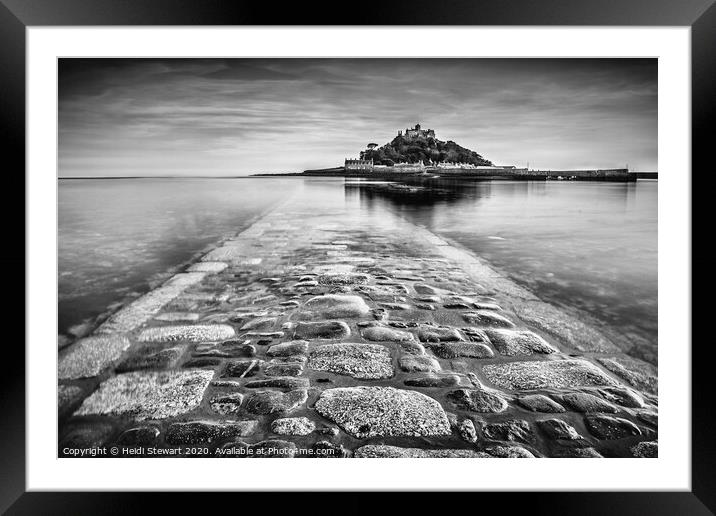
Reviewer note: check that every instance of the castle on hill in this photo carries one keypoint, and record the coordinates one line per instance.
(417, 132)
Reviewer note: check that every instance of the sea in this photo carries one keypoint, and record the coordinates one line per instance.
(588, 246)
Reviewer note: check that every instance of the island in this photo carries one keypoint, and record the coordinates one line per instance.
(418, 152)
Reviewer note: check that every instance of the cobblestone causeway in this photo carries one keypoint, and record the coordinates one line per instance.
(352, 335)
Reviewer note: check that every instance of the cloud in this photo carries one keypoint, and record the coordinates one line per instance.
(229, 117)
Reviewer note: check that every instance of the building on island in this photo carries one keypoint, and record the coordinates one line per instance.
(358, 165)
(409, 167)
(417, 132)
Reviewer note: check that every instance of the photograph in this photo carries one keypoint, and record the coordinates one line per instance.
(357, 257)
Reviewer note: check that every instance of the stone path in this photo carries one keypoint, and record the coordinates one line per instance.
(322, 332)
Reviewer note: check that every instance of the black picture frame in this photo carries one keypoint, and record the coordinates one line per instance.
(17, 15)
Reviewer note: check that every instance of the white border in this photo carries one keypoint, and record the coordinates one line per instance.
(670, 471)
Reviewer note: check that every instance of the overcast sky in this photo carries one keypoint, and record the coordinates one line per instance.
(122, 117)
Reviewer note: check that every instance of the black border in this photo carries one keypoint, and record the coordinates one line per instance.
(17, 15)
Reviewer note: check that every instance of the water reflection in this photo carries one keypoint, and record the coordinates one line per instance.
(119, 237)
(587, 246)
(590, 247)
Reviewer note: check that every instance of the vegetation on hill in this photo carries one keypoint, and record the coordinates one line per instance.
(425, 149)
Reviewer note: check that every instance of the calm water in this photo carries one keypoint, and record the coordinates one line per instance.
(591, 247)
(119, 237)
(586, 246)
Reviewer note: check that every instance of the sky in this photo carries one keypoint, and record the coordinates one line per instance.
(230, 117)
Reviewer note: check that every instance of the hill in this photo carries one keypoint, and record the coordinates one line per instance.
(425, 148)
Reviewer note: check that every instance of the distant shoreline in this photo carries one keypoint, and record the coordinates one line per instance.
(332, 172)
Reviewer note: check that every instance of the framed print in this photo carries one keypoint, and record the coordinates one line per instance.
(426, 243)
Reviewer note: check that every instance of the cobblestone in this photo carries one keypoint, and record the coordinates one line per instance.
(252, 341)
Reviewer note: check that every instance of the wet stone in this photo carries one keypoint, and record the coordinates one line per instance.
(225, 404)
(141, 310)
(428, 299)
(467, 431)
(396, 306)
(329, 430)
(267, 335)
(567, 329)
(558, 429)
(148, 394)
(335, 305)
(284, 369)
(88, 357)
(286, 349)
(622, 396)
(291, 359)
(636, 373)
(379, 314)
(322, 330)
(446, 380)
(486, 306)
(540, 403)
(63, 341)
(475, 334)
(487, 318)
(461, 349)
(383, 334)
(651, 418)
(510, 452)
(365, 361)
(477, 400)
(579, 453)
(512, 430)
(271, 402)
(196, 333)
(207, 267)
(419, 364)
(383, 451)
(582, 402)
(510, 342)
(282, 382)
(400, 324)
(646, 450)
(201, 432)
(292, 426)
(438, 334)
(554, 374)
(226, 384)
(177, 317)
(426, 290)
(260, 323)
(343, 279)
(67, 397)
(383, 411)
(139, 436)
(151, 359)
(202, 362)
(242, 369)
(328, 450)
(608, 427)
(412, 348)
(453, 305)
(87, 436)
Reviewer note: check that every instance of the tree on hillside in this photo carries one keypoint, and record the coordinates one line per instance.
(423, 149)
